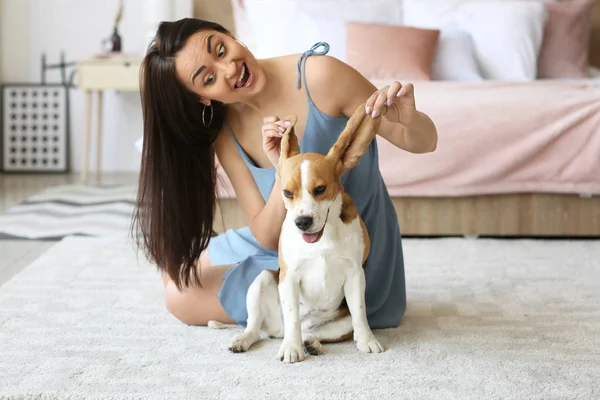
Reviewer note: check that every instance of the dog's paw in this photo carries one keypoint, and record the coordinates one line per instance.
(291, 352)
(242, 342)
(313, 346)
(368, 344)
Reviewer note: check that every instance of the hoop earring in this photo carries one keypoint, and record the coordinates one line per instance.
(204, 117)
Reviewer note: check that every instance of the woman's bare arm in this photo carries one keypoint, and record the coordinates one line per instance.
(264, 218)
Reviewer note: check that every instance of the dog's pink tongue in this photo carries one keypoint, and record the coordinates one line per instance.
(310, 237)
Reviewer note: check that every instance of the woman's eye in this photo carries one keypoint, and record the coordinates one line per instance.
(221, 51)
(209, 79)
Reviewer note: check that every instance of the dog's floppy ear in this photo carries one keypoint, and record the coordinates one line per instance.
(354, 140)
(289, 141)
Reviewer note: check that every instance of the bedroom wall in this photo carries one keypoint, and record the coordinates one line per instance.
(14, 39)
(79, 32)
(30, 27)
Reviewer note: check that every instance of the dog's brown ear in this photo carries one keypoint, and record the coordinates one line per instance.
(354, 140)
(289, 141)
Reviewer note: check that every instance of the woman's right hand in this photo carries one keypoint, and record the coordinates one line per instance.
(272, 131)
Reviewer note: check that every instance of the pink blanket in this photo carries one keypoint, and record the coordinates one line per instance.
(502, 137)
(499, 137)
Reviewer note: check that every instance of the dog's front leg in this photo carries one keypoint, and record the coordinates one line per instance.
(354, 290)
(291, 349)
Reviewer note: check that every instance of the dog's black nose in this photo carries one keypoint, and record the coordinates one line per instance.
(303, 223)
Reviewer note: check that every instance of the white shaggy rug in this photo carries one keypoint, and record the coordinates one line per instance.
(486, 319)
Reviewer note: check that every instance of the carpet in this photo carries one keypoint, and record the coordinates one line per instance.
(486, 319)
(71, 210)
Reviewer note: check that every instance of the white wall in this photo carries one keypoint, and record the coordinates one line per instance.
(14, 39)
(30, 27)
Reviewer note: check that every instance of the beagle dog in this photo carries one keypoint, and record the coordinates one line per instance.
(318, 294)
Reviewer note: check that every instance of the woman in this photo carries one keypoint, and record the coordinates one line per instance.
(204, 94)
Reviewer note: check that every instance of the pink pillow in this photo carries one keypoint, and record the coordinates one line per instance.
(391, 51)
(565, 49)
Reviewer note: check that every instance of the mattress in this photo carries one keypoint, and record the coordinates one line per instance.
(498, 137)
(502, 137)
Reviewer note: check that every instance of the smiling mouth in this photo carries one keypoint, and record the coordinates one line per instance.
(245, 77)
(313, 237)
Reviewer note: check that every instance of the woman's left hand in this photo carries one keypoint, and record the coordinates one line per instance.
(395, 102)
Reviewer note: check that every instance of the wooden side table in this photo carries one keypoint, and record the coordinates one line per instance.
(119, 73)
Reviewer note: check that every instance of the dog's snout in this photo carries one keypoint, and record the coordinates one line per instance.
(303, 222)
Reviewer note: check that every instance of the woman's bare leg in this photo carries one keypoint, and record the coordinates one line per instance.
(197, 305)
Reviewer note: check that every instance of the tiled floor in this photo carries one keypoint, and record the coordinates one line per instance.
(14, 188)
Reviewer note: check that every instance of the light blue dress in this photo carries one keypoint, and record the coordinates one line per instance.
(385, 284)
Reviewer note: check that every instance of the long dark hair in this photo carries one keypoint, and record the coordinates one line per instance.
(176, 197)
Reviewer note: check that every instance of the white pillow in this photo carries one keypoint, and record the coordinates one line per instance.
(279, 27)
(431, 14)
(454, 58)
(507, 34)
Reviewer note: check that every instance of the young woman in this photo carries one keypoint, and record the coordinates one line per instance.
(204, 94)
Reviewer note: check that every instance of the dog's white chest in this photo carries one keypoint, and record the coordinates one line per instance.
(321, 268)
(321, 282)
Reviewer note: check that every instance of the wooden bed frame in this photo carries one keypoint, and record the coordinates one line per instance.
(504, 215)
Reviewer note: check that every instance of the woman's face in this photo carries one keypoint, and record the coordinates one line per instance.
(217, 67)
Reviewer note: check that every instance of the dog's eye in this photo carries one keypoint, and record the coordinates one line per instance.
(320, 189)
(288, 194)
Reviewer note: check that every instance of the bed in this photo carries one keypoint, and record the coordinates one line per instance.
(515, 158)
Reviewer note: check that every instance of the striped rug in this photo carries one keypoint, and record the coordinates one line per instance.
(71, 210)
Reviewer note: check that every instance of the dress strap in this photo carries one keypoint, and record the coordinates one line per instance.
(239, 148)
(305, 55)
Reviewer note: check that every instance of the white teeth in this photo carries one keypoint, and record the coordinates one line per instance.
(242, 73)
